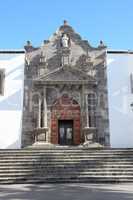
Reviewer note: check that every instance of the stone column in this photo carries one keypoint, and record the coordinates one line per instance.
(44, 108)
(83, 92)
(41, 132)
(39, 114)
(87, 117)
(88, 131)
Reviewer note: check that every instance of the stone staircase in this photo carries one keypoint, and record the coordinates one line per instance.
(75, 164)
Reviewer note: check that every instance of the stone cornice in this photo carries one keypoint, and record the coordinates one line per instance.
(72, 82)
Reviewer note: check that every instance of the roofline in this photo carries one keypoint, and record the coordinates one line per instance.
(12, 51)
(19, 51)
(119, 51)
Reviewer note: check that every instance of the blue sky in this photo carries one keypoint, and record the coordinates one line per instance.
(36, 20)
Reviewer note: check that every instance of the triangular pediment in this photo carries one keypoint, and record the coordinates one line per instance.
(67, 73)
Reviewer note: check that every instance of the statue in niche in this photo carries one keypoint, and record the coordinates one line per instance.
(65, 40)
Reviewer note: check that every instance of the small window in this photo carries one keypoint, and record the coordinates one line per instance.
(2, 80)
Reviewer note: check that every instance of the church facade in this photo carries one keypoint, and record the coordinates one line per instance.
(65, 92)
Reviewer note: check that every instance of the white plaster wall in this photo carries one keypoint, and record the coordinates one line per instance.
(120, 113)
(11, 102)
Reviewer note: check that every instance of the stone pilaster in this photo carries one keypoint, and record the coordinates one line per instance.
(39, 114)
(44, 108)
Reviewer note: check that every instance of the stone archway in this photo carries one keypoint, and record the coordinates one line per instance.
(65, 108)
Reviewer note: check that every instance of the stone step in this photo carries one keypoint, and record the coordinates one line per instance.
(93, 179)
(65, 160)
(42, 160)
(88, 163)
(55, 166)
(75, 150)
(66, 174)
(64, 153)
(67, 150)
(58, 165)
(66, 170)
(66, 165)
(66, 156)
(72, 177)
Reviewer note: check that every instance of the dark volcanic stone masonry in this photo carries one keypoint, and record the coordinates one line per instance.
(65, 92)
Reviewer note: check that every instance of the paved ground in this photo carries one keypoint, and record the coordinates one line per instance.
(67, 192)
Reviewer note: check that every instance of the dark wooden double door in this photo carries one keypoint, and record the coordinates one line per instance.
(65, 132)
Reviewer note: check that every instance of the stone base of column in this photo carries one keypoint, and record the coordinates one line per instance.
(90, 138)
(89, 134)
(41, 134)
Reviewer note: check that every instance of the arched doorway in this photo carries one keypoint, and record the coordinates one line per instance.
(65, 121)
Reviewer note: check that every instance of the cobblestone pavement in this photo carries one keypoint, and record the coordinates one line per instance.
(66, 192)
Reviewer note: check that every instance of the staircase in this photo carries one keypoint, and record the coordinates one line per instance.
(75, 164)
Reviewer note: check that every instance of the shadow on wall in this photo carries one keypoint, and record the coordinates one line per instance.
(13, 102)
